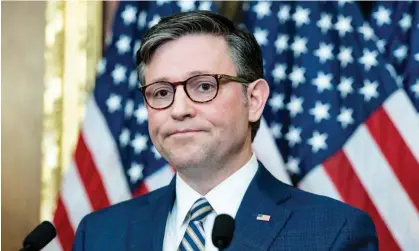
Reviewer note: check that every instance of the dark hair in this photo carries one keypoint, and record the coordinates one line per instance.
(243, 47)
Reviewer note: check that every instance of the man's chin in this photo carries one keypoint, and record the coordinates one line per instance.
(180, 162)
(184, 162)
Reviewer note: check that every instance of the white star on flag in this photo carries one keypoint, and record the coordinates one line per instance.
(128, 15)
(382, 16)
(129, 108)
(154, 21)
(369, 90)
(279, 72)
(400, 53)
(369, 59)
(139, 143)
(324, 52)
(345, 56)
(297, 76)
(141, 114)
(113, 103)
(186, 5)
(123, 44)
(325, 22)
(323, 82)
(367, 32)
(124, 137)
(281, 43)
(415, 89)
(119, 74)
(295, 106)
(320, 111)
(345, 86)
(343, 25)
(101, 66)
(262, 9)
(133, 80)
(276, 102)
(205, 5)
(381, 45)
(292, 165)
(275, 129)
(261, 36)
(406, 22)
(293, 136)
(301, 16)
(142, 19)
(299, 46)
(318, 141)
(345, 117)
(135, 172)
(284, 13)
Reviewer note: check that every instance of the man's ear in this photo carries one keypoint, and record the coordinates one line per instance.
(257, 95)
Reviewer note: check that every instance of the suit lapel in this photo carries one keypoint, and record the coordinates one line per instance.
(147, 229)
(263, 197)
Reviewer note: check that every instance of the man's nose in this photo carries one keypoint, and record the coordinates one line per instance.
(182, 106)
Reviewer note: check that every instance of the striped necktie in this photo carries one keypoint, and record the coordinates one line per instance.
(194, 239)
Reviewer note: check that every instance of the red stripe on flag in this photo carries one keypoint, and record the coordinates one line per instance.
(141, 190)
(90, 177)
(352, 191)
(65, 232)
(396, 152)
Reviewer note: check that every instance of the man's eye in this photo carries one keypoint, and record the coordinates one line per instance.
(206, 87)
(161, 93)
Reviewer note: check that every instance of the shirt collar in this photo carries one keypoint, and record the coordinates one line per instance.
(185, 198)
(225, 198)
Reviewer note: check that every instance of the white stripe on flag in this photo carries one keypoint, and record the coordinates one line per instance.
(74, 196)
(103, 149)
(268, 153)
(160, 178)
(317, 181)
(54, 245)
(404, 117)
(383, 187)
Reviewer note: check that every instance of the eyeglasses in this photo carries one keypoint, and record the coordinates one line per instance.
(200, 89)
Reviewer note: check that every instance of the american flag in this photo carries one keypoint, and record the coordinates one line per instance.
(333, 116)
(344, 104)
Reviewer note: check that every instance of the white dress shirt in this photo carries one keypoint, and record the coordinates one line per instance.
(225, 198)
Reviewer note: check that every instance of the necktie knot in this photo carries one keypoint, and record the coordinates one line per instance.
(194, 238)
(200, 210)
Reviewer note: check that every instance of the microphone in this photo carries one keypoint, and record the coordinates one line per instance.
(222, 232)
(39, 237)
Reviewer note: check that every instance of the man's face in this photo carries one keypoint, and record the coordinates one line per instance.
(191, 134)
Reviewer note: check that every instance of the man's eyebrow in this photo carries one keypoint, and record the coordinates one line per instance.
(190, 74)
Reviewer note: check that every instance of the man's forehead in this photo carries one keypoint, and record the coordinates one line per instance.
(185, 57)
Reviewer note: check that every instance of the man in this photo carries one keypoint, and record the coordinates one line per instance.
(202, 81)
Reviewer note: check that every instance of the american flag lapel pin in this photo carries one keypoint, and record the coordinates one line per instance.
(263, 217)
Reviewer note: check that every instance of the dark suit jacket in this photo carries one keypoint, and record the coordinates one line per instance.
(299, 221)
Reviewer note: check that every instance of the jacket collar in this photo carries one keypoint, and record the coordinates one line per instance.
(263, 199)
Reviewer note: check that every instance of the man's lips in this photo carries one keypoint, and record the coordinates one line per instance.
(184, 132)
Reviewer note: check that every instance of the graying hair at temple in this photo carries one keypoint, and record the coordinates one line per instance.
(243, 47)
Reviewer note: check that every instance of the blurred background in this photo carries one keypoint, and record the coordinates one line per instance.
(342, 119)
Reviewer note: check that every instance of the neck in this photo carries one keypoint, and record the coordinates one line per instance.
(205, 178)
